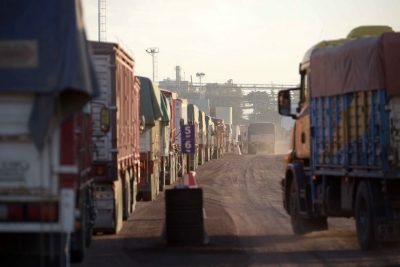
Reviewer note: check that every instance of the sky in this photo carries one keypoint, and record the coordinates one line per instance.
(248, 41)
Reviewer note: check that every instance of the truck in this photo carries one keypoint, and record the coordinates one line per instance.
(235, 135)
(165, 148)
(115, 144)
(46, 84)
(171, 167)
(202, 137)
(210, 138)
(219, 144)
(193, 118)
(261, 136)
(228, 137)
(150, 140)
(344, 158)
(244, 136)
(182, 118)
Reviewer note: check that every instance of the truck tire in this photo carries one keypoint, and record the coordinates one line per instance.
(364, 217)
(296, 220)
(118, 207)
(127, 196)
(79, 254)
(302, 226)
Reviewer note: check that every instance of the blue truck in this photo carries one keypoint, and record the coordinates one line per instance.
(344, 159)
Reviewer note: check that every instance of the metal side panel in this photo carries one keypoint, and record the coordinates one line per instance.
(102, 142)
(25, 172)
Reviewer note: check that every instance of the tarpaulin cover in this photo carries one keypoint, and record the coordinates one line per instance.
(150, 101)
(364, 64)
(43, 50)
(193, 113)
(165, 108)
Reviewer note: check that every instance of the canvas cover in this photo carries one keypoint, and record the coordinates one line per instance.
(165, 108)
(363, 64)
(43, 50)
(150, 102)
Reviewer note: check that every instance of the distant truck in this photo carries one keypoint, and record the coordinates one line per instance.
(46, 83)
(261, 138)
(202, 137)
(345, 148)
(171, 165)
(219, 144)
(181, 117)
(150, 140)
(193, 118)
(244, 136)
(115, 144)
(210, 138)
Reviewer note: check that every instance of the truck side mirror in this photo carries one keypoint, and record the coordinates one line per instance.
(284, 102)
(142, 123)
(104, 120)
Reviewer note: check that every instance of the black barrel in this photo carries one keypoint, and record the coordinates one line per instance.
(184, 217)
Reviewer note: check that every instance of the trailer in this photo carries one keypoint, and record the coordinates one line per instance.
(219, 144)
(46, 205)
(172, 163)
(150, 140)
(116, 157)
(193, 118)
(210, 138)
(345, 147)
(182, 118)
(202, 137)
(165, 144)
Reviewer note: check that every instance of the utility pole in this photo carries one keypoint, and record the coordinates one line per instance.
(200, 75)
(153, 51)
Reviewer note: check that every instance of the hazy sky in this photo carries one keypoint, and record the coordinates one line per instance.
(249, 41)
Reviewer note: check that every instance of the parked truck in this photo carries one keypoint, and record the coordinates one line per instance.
(193, 118)
(345, 159)
(150, 140)
(116, 146)
(202, 137)
(219, 144)
(165, 143)
(210, 138)
(171, 167)
(46, 82)
(182, 118)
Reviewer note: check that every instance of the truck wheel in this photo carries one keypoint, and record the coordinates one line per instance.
(364, 218)
(127, 196)
(78, 254)
(296, 220)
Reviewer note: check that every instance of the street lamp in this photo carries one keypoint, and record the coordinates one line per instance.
(153, 51)
(200, 75)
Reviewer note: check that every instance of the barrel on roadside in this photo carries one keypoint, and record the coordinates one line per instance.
(184, 217)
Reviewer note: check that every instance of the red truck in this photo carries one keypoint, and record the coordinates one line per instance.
(116, 145)
(46, 82)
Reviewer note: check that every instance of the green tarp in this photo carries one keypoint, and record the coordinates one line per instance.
(150, 102)
(193, 113)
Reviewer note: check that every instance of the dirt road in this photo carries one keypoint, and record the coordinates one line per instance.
(246, 224)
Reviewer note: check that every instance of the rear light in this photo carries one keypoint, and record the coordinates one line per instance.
(35, 212)
(42, 212)
(100, 171)
(142, 164)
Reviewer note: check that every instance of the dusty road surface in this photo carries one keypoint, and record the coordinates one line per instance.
(246, 224)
